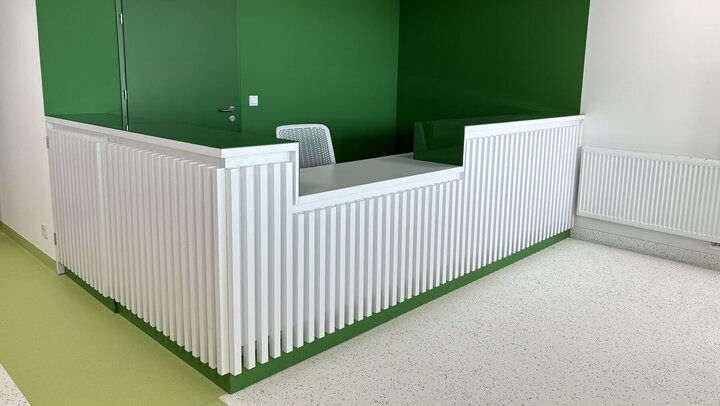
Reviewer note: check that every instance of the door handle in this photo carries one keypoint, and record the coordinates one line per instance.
(230, 109)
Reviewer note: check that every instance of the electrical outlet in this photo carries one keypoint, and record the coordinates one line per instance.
(43, 230)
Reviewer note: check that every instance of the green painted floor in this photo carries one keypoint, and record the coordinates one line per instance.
(62, 347)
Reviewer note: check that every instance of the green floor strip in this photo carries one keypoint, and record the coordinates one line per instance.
(232, 384)
(28, 246)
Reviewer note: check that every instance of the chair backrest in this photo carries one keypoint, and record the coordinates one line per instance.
(316, 147)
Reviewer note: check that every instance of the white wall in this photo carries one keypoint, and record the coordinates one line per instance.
(652, 76)
(652, 84)
(24, 175)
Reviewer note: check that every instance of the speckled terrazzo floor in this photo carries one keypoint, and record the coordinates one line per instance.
(577, 323)
(10, 395)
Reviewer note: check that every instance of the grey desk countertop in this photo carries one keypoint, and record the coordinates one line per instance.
(345, 175)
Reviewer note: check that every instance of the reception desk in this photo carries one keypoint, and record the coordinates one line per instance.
(243, 264)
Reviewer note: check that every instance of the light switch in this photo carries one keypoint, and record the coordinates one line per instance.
(254, 101)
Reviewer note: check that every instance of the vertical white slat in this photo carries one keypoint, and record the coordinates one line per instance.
(262, 234)
(249, 287)
(299, 282)
(516, 194)
(379, 238)
(310, 276)
(59, 203)
(289, 266)
(446, 211)
(471, 180)
(402, 267)
(413, 246)
(453, 230)
(173, 248)
(320, 253)
(432, 236)
(192, 296)
(83, 230)
(394, 249)
(145, 269)
(475, 192)
(200, 262)
(276, 291)
(386, 239)
(558, 213)
(232, 287)
(342, 270)
(153, 226)
(77, 226)
(351, 278)
(494, 192)
(360, 257)
(330, 268)
(370, 257)
(54, 189)
(129, 230)
(60, 221)
(506, 185)
(212, 266)
(186, 257)
(424, 251)
(484, 202)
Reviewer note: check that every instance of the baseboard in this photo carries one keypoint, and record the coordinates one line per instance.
(106, 301)
(666, 251)
(28, 246)
(234, 383)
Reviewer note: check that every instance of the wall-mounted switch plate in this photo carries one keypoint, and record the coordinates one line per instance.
(254, 101)
(43, 230)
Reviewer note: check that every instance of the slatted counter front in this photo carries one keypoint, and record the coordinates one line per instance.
(239, 259)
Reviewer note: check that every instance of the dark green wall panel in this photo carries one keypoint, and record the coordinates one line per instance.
(181, 59)
(79, 56)
(470, 58)
(331, 62)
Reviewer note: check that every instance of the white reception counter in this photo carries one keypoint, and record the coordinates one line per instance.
(241, 260)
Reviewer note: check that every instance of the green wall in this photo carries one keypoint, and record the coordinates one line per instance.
(368, 69)
(470, 58)
(333, 62)
(79, 56)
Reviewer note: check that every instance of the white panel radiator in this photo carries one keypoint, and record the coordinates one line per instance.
(676, 195)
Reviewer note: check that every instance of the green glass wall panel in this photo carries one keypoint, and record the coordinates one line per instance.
(331, 62)
(470, 58)
(443, 141)
(79, 56)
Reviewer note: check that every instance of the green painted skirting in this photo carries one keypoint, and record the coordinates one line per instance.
(108, 302)
(232, 384)
(28, 246)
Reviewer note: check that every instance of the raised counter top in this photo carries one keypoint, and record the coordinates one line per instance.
(184, 139)
(206, 137)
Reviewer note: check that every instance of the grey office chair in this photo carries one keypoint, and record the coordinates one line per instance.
(316, 147)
